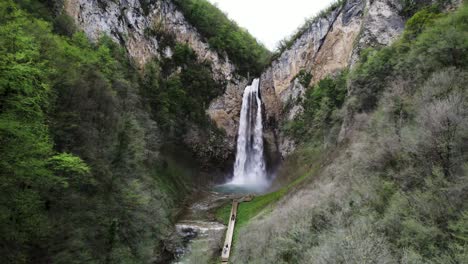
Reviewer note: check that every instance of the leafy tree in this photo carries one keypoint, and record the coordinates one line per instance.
(319, 104)
(79, 151)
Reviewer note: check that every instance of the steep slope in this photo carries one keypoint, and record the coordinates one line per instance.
(138, 26)
(130, 23)
(327, 44)
(374, 196)
(104, 128)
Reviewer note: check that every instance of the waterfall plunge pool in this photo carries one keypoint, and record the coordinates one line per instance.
(249, 174)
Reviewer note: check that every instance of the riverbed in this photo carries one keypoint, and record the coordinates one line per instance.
(202, 235)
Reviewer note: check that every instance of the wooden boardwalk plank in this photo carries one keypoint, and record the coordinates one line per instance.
(229, 233)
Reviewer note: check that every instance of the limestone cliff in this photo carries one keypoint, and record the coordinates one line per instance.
(331, 43)
(129, 22)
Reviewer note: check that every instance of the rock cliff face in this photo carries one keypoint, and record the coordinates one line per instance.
(128, 22)
(330, 44)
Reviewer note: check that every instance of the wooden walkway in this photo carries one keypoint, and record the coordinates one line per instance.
(229, 233)
(230, 230)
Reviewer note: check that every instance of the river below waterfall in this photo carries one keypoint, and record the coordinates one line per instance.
(202, 235)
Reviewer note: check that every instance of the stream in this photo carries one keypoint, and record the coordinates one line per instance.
(202, 236)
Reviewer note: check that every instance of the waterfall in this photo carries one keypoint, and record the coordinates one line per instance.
(249, 168)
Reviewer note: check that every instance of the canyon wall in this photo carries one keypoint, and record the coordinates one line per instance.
(331, 43)
(136, 28)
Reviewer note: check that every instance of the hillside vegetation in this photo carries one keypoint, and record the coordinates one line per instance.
(92, 166)
(225, 36)
(396, 191)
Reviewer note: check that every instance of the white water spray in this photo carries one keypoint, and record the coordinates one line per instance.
(249, 169)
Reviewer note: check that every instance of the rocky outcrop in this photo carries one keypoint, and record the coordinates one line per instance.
(381, 25)
(127, 22)
(225, 110)
(136, 28)
(330, 44)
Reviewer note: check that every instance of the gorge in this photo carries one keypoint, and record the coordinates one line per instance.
(127, 128)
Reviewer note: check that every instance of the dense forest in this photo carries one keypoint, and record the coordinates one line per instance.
(88, 168)
(395, 191)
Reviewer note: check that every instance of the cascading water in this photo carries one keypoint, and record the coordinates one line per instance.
(204, 235)
(249, 168)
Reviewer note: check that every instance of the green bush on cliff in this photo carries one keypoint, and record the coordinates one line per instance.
(178, 98)
(225, 36)
(320, 105)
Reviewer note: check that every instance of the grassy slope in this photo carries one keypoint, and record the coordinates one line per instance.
(389, 207)
(299, 168)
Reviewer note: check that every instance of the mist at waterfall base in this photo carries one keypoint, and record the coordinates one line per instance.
(249, 168)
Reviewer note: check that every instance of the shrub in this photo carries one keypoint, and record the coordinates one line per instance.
(179, 99)
(319, 107)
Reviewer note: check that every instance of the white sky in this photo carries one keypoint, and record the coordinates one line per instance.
(271, 20)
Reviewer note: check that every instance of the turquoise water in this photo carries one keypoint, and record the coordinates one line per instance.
(239, 189)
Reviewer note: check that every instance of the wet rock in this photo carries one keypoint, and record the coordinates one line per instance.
(202, 236)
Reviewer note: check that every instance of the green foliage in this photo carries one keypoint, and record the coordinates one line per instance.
(179, 98)
(68, 166)
(373, 74)
(81, 176)
(442, 43)
(410, 7)
(304, 78)
(319, 104)
(420, 21)
(459, 228)
(24, 136)
(396, 192)
(225, 36)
